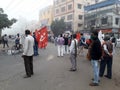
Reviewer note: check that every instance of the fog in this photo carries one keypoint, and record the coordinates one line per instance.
(20, 26)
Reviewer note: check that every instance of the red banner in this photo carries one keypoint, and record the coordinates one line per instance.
(42, 37)
(78, 36)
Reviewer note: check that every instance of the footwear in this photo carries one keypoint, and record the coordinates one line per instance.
(36, 54)
(100, 75)
(93, 80)
(72, 70)
(32, 73)
(26, 76)
(94, 84)
(107, 76)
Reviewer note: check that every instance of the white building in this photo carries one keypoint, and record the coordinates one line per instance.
(103, 15)
(72, 11)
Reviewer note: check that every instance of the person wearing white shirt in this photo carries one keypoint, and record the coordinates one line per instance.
(28, 54)
(73, 53)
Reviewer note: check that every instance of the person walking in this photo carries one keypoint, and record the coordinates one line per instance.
(107, 58)
(73, 53)
(60, 44)
(28, 54)
(95, 54)
(5, 41)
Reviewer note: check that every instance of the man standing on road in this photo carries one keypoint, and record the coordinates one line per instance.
(107, 58)
(35, 45)
(66, 48)
(17, 42)
(95, 53)
(73, 53)
(60, 43)
(5, 41)
(28, 54)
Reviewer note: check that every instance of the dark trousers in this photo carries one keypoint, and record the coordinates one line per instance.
(28, 62)
(106, 61)
(5, 43)
(35, 50)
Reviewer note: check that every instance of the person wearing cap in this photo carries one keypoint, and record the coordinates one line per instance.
(107, 58)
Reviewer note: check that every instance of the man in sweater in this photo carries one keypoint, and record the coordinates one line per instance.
(107, 58)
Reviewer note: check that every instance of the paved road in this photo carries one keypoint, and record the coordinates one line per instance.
(52, 73)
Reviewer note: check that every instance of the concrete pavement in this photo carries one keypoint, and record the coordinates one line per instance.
(52, 73)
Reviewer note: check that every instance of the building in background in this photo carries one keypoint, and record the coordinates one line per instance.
(72, 11)
(46, 16)
(104, 15)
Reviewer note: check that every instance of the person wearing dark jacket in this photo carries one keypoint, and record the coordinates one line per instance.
(107, 58)
(66, 48)
(95, 53)
(35, 45)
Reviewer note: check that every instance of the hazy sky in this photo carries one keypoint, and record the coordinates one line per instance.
(24, 8)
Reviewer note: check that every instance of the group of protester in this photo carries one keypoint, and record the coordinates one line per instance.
(30, 47)
(68, 44)
(99, 53)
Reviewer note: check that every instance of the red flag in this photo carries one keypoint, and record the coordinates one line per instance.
(42, 37)
(78, 36)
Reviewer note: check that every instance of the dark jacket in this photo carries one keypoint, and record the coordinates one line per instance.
(109, 48)
(66, 41)
(35, 40)
(96, 50)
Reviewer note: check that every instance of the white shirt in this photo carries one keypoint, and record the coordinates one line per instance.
(28, 46)
(72, 46)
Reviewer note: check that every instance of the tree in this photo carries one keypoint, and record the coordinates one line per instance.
(58, 27)
(4, 21)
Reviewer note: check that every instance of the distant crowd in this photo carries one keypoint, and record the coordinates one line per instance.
(100, 52)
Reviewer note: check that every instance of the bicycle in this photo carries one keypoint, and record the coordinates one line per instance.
(16, 49)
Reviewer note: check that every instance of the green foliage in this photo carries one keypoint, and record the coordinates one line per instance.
(58, 27)
(4, 21)
(13, 20)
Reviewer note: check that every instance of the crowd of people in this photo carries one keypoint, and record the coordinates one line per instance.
(100, 52)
